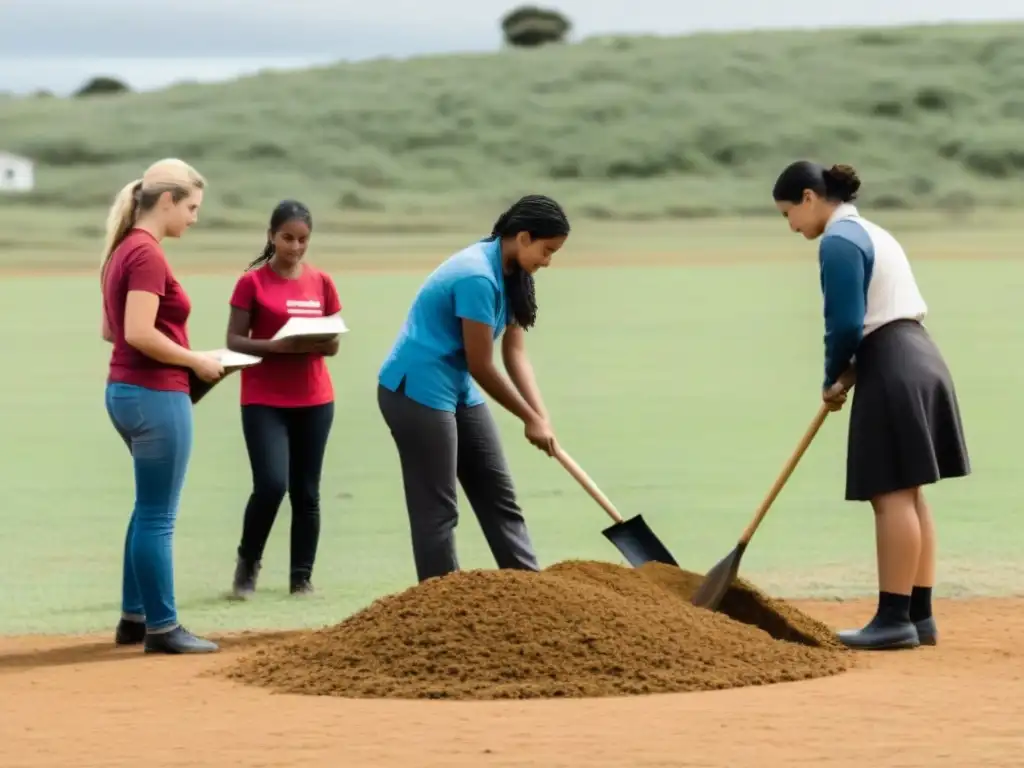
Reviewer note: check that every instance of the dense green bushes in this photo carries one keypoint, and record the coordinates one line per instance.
(619, 127)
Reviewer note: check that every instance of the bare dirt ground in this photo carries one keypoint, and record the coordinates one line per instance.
(82, 702)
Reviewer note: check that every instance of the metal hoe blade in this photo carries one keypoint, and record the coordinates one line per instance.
(637, 542)
(631, 537)
(718, 580)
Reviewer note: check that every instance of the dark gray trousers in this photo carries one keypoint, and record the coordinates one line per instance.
(436, 448)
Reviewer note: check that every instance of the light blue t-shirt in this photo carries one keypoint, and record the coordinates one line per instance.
(429, 353)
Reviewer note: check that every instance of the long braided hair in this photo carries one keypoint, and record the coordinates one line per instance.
(541, 218)
(286, 210)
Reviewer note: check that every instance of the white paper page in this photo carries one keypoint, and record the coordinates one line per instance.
(231, 359)
(332, 325)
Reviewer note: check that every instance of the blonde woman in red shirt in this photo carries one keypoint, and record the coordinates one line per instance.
(287, 400)
(145, 318)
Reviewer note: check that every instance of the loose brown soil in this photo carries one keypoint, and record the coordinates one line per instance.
(577, 629)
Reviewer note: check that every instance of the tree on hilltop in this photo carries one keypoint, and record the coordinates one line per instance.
(529, 26)
(102, 86)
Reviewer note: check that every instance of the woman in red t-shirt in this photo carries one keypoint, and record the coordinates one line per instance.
(288, 399)
(145, 317)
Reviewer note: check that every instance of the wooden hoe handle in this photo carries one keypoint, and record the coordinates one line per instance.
(787, 470)
(589, 485)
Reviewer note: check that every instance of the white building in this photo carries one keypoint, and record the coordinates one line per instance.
(17, 173)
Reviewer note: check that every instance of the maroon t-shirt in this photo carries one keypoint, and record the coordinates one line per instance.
(291, 380)
(139, 264)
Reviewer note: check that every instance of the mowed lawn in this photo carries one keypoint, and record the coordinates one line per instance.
(680, 389)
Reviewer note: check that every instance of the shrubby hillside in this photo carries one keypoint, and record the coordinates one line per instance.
(620, 127)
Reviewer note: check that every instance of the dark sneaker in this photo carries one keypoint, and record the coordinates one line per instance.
(130, 632)
(301, 587)
(927, 631)
(246, 574)
(178, 640)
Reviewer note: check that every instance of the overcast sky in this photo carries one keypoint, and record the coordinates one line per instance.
(290, 32)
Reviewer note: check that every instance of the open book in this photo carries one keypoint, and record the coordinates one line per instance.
(314, 328)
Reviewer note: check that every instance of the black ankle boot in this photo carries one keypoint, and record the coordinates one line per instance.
(890, 629)
(178, 640)
(130, 632)
(881, 635)
(927, 631)
(246, 575)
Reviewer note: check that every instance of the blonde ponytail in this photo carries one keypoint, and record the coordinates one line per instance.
(120, 219)
(169, 175)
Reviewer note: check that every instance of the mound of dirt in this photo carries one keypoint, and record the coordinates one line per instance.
(576, 629)
(745, 602)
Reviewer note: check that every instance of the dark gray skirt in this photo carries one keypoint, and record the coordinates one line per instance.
(905, 428)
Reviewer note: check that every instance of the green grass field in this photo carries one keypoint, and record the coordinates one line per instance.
(681, 363)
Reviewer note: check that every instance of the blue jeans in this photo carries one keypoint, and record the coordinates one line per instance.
(157, 428)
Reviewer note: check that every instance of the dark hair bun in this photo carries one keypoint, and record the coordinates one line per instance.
(842, 183)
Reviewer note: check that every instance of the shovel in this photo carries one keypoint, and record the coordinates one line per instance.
(718, 580)
(631, 537)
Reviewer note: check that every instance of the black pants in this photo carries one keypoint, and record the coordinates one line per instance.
(286, 452)
(436, 448)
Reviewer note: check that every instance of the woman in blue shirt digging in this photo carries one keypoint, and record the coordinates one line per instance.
(427, 387)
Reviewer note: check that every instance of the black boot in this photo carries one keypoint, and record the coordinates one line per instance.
(890, 629)
(300, 585)
(921, 615)
(927, 631)
(130, 632)
(246, 575)
(178, 640)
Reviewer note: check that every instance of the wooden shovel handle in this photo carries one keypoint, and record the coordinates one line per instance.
(589, 485)
(787, 470)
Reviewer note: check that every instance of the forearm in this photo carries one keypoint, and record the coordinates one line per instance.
(520, 371)
(498, 387)
(154, 344)
(840, 347)
(329, 348)
(247, 346)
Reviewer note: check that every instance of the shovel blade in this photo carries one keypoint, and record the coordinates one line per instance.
(637, 542)
(718, 580)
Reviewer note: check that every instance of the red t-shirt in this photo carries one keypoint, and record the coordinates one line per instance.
(139, 264)
(289, 380)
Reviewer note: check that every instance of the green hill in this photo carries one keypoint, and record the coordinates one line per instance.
(637, 128)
